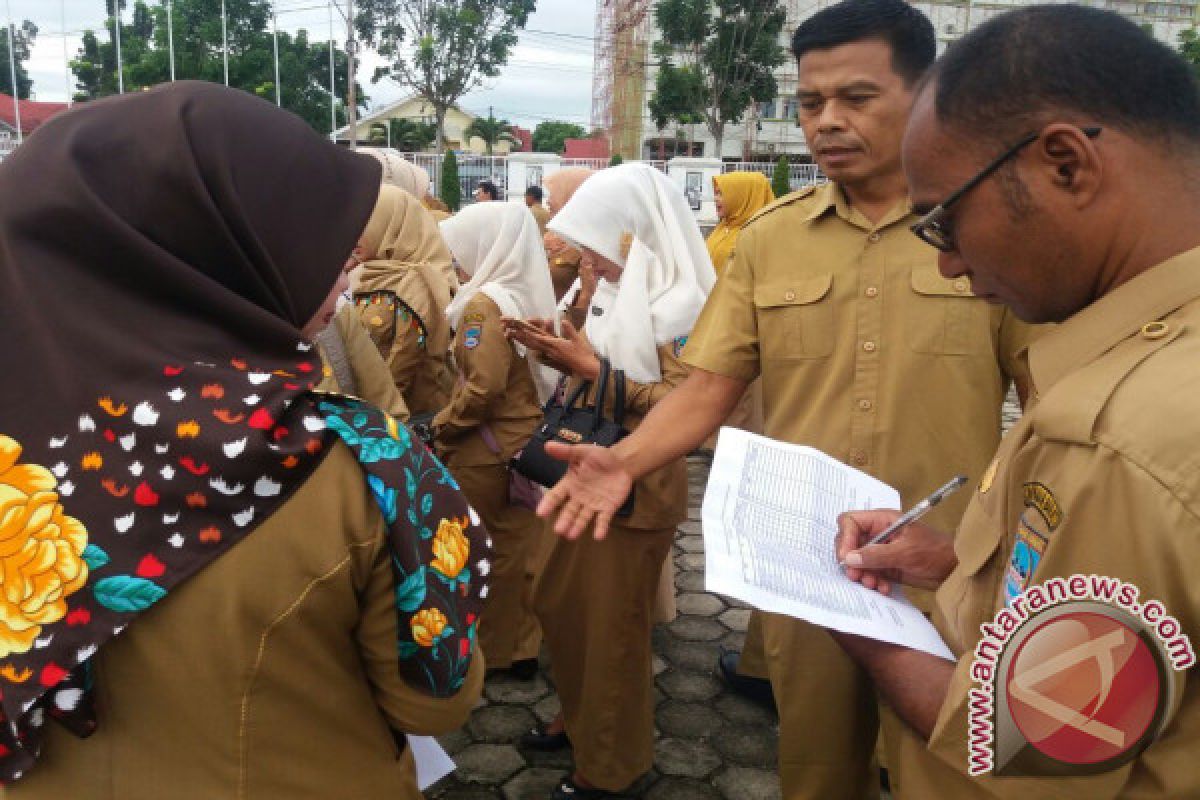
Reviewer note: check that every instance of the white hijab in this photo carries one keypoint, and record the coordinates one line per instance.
(399, 171)
(637, 217)
(500, 247)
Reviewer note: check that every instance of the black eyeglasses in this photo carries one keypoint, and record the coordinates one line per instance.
(932, 228)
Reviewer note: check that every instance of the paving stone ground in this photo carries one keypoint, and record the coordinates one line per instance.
(711, 743)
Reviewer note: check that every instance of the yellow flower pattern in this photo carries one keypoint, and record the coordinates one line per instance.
(451, 548)
(427, 625)
(41, 551)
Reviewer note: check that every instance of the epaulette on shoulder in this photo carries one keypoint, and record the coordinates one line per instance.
(787, 200)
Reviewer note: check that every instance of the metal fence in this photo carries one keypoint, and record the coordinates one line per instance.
(7, 146)
(799, 175)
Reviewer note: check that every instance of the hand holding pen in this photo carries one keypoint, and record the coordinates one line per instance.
(923, 557)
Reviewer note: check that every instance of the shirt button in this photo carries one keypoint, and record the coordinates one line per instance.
(961, 285)
(789, 295)
(874, 237)
(869, 347)
(1155, 330)
(872, 291)
(865, 405)
(858, 457)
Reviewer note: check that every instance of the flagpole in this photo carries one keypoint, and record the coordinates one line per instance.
(351, 92)
(332, 83)
(275, 35)
(117, 41)
(171, 37)
(225, 41)
(12, 71)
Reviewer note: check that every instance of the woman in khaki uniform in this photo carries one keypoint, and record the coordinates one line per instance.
(220, 584)
(352, 365)
(495, 408)
(401, 291)
(596, 598)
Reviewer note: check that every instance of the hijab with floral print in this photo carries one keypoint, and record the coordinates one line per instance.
(157, 409)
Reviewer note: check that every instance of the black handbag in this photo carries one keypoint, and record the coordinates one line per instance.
(571, 423)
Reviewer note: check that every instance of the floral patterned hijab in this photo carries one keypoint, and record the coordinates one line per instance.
(161, 252)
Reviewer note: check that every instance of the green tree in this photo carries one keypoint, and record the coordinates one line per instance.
(23, 38)
(616, 160)
(1189, 47)
(551, 136)
(406, 134)
(145, 55)
(451, 190)
(442, 50)
(715, 59)
(781, 180)
(491, 130)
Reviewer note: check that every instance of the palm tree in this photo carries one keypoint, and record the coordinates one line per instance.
(491, 130)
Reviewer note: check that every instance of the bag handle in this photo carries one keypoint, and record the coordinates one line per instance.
(601, 392)
(619, 399)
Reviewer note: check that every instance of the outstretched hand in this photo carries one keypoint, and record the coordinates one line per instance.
(916, 555)
(595, 486)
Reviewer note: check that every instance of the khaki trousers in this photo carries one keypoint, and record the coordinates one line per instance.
(828, 714)
(595, 601)
(508, 628)
(753, 661)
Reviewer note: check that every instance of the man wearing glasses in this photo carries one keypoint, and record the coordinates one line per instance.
(1056, 151)
(865, 352)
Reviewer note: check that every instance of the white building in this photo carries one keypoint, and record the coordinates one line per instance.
(770, 129)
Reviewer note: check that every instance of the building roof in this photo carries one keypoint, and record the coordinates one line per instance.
(385, 112)
(596, 147)
(525, 137)
(33, 113)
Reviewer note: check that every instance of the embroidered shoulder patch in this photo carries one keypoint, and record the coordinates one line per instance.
(678, 345)
(1041, 517)
(472, 335)
(475, 317)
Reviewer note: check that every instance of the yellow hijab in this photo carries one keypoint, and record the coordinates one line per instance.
(400, 241)
(744, 194)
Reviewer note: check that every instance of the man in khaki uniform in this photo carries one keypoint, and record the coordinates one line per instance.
(1079, 207)
(533, 199)
(864, 350)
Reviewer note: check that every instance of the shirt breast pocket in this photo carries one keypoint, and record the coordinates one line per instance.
(942, 317)
(795, 318)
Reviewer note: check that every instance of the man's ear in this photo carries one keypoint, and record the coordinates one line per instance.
(1072, 161)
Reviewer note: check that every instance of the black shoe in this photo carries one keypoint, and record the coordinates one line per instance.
(756, 689)
(538, 739)
(567, 790)
(524, 670)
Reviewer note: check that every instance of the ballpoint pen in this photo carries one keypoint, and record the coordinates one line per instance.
(918, 511)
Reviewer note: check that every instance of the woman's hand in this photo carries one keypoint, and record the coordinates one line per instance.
(916, 555)
(570, 353)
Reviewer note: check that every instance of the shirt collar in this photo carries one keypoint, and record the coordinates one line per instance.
(830, 197)
(1111, 319)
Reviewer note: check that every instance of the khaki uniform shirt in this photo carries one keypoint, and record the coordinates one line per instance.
(401, 324)
(866, 352)
(372, 380)
(495, 388)
(542, 215)
(270, 674)
(1101, 477)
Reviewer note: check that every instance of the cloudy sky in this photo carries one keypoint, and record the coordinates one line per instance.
(549, 75)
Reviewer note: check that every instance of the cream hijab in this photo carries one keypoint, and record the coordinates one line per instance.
(637, 217)
(399, 171)
(402, 238)
(499, 246)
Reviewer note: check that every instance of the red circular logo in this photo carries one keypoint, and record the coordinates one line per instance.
(1084, 688)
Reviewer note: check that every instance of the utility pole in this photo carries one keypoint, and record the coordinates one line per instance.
(66, 54)
(351, 52)
(171, 37)
(225, 41)
(117, 40)
(12, 70)
(275, 37)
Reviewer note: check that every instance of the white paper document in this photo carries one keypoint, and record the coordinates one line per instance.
(770, 519)
(433, 763)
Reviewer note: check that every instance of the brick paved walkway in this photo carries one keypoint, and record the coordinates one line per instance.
(712, 744)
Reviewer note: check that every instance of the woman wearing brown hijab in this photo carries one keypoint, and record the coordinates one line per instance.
(401, 290)
(231, 586)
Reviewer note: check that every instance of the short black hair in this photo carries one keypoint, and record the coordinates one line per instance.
(489, 188)
(1018, 70)
(908, 32)
(534, 193)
